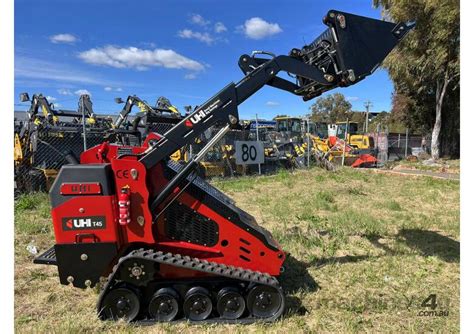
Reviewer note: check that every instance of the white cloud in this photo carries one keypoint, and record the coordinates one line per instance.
(32, 68)
(220, 27)
(109, 89)
(57, 105)
(199, 20)
(82, 92)
(352, 98)
(63, 38)
(139, 59)
(64, 91)
(272, 104)
(258, 28)
(202, 37)
(51, 98)
(190, 76)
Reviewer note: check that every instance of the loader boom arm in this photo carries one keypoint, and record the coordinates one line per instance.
(221, 109)
(318, 67)
(322, 65)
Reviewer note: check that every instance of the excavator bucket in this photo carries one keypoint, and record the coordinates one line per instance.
(349, 50)
(364, 160)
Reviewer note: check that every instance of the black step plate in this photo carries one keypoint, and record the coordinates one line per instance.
(48, 257)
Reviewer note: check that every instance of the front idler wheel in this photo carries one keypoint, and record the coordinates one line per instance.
(164, 305)
(265, 301)
(230, 303)
(120, 304)
(197, 304)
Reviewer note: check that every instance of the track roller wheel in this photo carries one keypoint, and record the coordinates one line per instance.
(230, 303)
(120, 303)
(197, 304)
(164, 305)
(264, 301)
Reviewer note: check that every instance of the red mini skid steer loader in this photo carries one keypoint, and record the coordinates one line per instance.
(171, 245)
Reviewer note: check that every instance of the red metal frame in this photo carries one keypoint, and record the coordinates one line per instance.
(235, 246)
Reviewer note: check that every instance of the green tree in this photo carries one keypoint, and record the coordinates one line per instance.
(331, 108)
(425, 68)
(386, 121)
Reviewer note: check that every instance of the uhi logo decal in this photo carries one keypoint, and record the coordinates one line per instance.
(83, 223)
(199, 115)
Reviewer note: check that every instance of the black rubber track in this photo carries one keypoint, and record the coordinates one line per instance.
(218, 269)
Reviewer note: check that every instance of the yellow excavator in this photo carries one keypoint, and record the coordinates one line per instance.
(357, 140)
(49, 138)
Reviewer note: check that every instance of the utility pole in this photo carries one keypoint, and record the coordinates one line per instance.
(367, 105)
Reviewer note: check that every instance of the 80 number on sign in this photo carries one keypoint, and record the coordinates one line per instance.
(249, 152)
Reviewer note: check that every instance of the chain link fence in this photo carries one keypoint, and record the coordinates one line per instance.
(43, 151)
(396, 146)
(400, 146)
(40, 151)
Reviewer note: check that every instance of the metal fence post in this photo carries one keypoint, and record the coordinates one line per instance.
(307, 147)
(305, 138)
(256, 129)
(344, 147)
(84, 123)
(406, 143)
(377, 146)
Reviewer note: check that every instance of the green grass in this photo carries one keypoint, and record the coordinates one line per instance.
(365, 250)
(393, 205)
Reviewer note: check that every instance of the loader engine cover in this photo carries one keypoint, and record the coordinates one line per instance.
(83, 211)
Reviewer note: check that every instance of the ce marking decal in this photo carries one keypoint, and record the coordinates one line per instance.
(122, 174)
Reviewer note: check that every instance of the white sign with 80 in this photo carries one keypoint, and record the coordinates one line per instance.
(249, 152)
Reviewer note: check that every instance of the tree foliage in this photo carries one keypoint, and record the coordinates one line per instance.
(425, 69)
(386, 121)
(331, 108)
(334, 108)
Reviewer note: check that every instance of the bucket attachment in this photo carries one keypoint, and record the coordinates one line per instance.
(349, 50)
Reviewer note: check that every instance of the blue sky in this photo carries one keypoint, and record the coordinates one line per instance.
(184, 50)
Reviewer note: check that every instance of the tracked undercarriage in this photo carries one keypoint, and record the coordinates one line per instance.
(238, 295)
